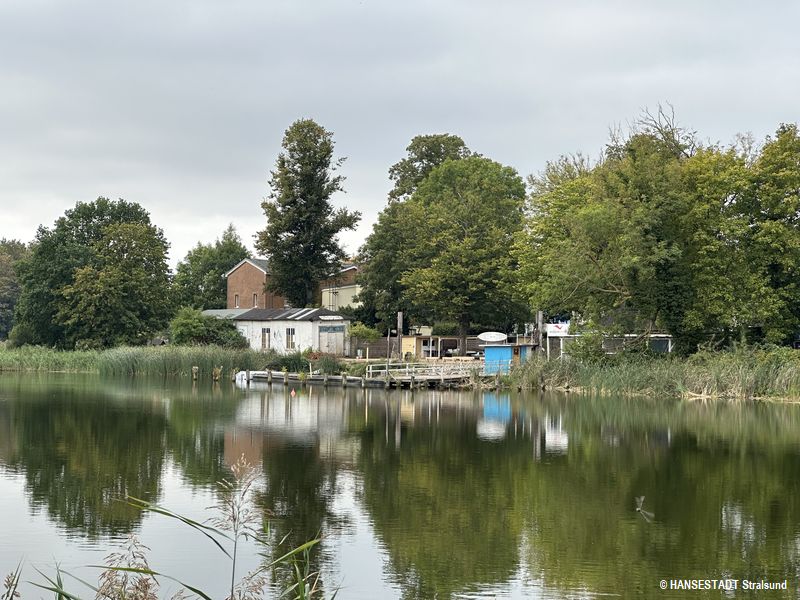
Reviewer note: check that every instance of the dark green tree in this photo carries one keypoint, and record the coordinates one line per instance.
(11, 251)
(105, 247)
(425, 153)
(460, 227)
(772, 209)
(123, 297)
(301, 237)
(380, 256)
(662, 233)
(198, 279)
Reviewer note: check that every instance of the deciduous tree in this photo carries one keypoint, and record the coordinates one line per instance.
(460, 225)
(198, 279)
(105, 247)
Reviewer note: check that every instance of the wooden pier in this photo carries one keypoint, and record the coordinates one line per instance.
(398, 375)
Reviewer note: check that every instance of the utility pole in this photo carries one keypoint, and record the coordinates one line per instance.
(400, 334)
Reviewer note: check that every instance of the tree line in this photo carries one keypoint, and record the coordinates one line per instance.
(663, 231)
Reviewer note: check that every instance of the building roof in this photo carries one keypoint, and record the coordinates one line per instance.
(224, 313)
(259, 263)
(289, 314)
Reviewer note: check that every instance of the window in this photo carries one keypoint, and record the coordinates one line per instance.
(265, 338)
(236, 301)
(290, 338)
(255, 300)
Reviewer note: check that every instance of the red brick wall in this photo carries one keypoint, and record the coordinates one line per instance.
(246, 281)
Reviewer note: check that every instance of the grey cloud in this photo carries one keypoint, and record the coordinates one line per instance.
(181, 106)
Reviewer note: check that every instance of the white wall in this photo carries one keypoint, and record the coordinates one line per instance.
(306, 334)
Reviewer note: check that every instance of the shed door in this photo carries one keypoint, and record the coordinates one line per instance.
(331, 339)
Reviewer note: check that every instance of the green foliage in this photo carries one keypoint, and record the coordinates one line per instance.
(424, 153)
(381, 256)
(199, 278)
(190, 326)
(99, 275)
(667, 233)
(300, 240)
(460, 226)
(327, 364)
(363, 333)
(11, 251)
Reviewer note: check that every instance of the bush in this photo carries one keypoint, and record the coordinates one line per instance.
(327, 364)
(363, 333)
(21, 334)
(192, 327)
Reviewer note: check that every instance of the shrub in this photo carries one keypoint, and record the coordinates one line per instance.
(190, 326)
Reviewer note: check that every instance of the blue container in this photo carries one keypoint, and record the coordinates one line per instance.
(497, 358)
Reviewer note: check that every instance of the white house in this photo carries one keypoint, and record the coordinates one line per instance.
(290, 329)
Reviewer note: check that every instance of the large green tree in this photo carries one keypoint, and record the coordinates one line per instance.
(460, 226)
(198, 279)
(11, 251)
(301, 237)
(423, 154)
(99, 275)
(772, 210)
(380, 257)
(668, 233)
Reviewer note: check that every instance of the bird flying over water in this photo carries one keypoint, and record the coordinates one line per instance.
(646, 515)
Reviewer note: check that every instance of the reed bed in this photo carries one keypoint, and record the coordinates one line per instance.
(35, 358)
(738, 374)
(179, 360)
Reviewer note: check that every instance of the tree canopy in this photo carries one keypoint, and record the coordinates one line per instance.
(460, 226)
(380, 256)
(11, 251)
(665, 232)
(424, 153)
(301, 237)
(199, 281)
(98, 277)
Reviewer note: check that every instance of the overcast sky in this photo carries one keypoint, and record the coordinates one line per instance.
(181, 106)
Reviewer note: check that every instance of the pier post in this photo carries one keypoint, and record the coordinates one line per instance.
(269, 376)
(325, 380)
(195, 371)
(344, 379)
(363, 382)
(286, 378)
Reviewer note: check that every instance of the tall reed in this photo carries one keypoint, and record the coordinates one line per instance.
(36, 358)
(742, 373)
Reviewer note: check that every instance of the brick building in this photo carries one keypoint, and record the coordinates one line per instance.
(247, 286)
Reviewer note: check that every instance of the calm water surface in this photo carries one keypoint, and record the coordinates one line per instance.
(424, 495)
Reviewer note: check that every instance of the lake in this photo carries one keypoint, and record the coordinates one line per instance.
(430, 494)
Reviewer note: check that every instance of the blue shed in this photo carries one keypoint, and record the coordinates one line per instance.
(497, 358)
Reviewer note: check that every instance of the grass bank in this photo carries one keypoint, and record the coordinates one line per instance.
(739, 374)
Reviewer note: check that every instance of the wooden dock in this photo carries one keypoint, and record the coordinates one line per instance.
(398, 375)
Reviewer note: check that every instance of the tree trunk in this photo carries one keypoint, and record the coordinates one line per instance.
(463, 328)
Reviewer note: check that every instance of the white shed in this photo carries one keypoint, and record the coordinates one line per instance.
(292, 329)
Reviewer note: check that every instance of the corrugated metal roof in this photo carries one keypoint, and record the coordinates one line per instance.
(287, 314)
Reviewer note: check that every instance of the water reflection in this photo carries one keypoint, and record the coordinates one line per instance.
(450, 493)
